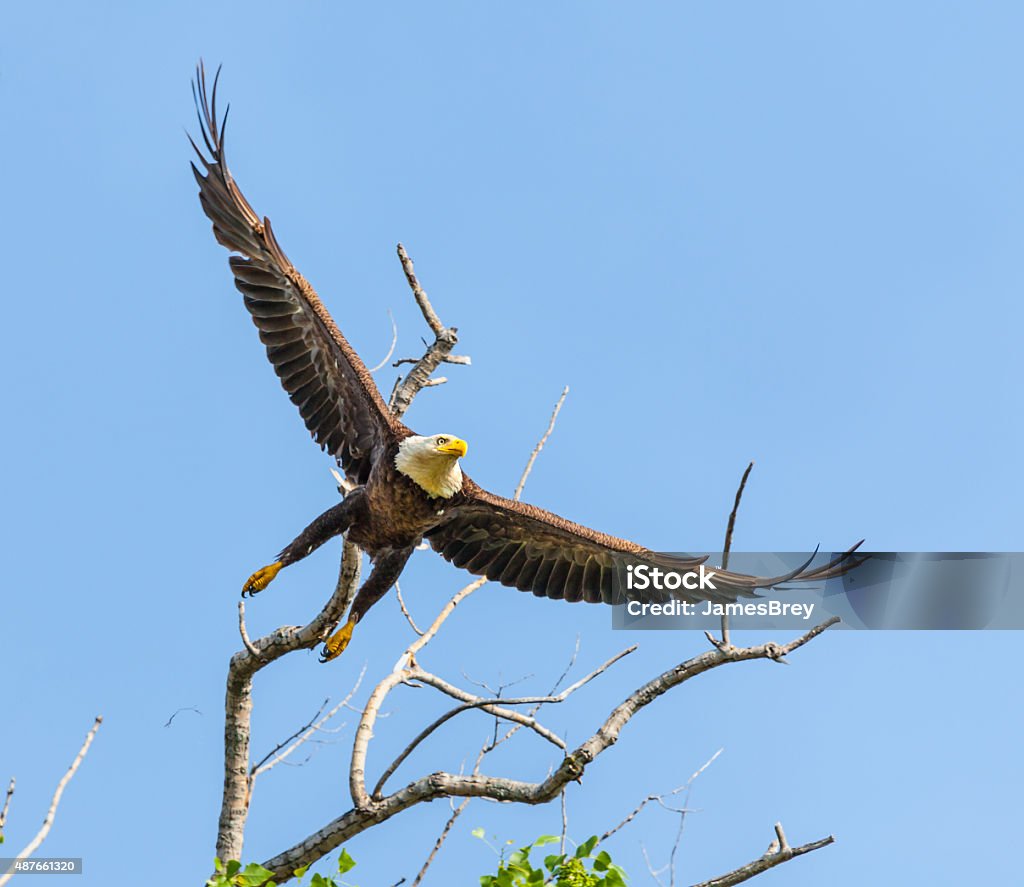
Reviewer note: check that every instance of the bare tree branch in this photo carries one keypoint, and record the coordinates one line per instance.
(441, 838)
(727, 546)
(777, 853)
(540, 444)
(245, 634)
(367, 812)
(315, 724)
(438, 352)
(394, 341)
(429, 315)
(495, 706)
(191, 708)
(51, 813)
(405, 610)
(372, 808)
(485, 749)
(7, 804)
(238, 703)
(660, 799)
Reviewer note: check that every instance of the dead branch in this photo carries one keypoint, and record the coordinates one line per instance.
(441, 838)
(367, 812)
(245, 634)
(7, 804)
(405, 610)
(496, 706)
(284, 749)
(238, 703)
(394, 342)
(438, 352)
(660, 800)
(777, 853)
(485, 749)
(372, 808)
(727, 546)
(51, 813)
(540, 444)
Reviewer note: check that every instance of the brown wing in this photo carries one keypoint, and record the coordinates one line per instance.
(525, 547)
(321, 372)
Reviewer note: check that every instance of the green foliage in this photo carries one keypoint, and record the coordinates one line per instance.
(579, 869)
(254, 875)
(233, 875)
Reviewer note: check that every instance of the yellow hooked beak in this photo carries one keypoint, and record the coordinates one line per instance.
(454, 447)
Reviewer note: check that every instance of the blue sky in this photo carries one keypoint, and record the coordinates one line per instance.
(786, 232)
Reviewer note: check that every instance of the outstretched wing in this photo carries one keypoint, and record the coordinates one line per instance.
(530, 549)
(321, 372)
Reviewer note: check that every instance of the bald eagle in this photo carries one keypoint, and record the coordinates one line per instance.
(408, 487)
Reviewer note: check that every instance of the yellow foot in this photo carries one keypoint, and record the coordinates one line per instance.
(337, 642)
(261, 579)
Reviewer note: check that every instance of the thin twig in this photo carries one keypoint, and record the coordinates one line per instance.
(441, 838)
(660, 800)
(7, 803)
(405, 610)
(433, 321)
(727, 547)
(540, 444)
(170, 720)
(778, 852)
(654, 873)
(437, 352)
(394, 341)
(732, 516)
(565, 824)
(245, 634)
(51, 813)
(367, 813)
(315, 724)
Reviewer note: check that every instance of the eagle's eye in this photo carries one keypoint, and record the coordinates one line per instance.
(441, 441)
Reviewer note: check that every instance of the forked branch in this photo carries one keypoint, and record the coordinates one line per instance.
(777, 853)
(367, 812)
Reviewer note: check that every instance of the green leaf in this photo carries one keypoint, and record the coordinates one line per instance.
(254, 875)
(218, 866)
(345, 862)
(301, 871)
(584, 849)
(616, 877)
(234, 867)
(554, 861)
(546, 839)
(479, 833)
(602, 861)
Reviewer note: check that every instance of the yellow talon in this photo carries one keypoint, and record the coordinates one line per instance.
(261, 578)
(337, 642)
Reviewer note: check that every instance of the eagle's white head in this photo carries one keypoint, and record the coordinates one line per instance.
(433, 463)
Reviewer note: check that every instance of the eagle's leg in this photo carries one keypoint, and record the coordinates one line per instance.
(387, 567)
(331, 523)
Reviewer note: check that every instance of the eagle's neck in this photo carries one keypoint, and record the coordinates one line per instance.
(439, 476)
